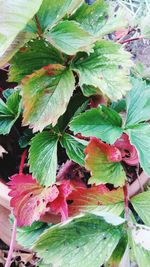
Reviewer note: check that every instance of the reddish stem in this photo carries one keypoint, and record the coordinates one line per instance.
(38, 26)
(126, 201)
(23, 157)
(131, 40)
(12, 243)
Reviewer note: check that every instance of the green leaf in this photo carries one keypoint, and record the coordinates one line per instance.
(9, 112)
(43, 157)
(106, 68)
(99, 18)
(13, 19)
(140, 203)
(102, 169)
(41, 53)
(46, 94)
(51, 12)
(74, 148)
(18, 42)
(118, 252)
(91, 17)
(101, 122)
(140, 236)
(140, 138)
(77, 104)
(28, 235)
(24, 140)
(138, 103)
(84, 241)
(70, 38)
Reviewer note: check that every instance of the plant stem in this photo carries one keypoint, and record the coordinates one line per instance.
(131, 40)
(23, 157)
(12, 243)
(126, 201)
(40, 33)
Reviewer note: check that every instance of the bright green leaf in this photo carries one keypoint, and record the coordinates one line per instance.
(140, 138)
(106, 68)
(46, 94)
(51, 12)
(14, 17)
(141, 203)
(138, 103)
(9, 112)
(70, 38)
(101, 122)
(74, 148)
(43, 157)
(84, 241)
(41, 53)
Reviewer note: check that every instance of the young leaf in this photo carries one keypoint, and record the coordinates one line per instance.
(46, 94)
(84, 241)
(140, 236)
(43, 157)
(140, 203)
(106, 68)
(101, 159)
(29, 199)
(101, 122)
(27, 235)
(74, 148)
(9, 112)
(70, 38)
(10, 25)
(41, 53)
(138, 103)
(140, 138)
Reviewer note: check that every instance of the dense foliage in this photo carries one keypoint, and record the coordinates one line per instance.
(84, 111)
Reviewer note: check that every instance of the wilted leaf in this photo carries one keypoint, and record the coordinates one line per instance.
(29, 199)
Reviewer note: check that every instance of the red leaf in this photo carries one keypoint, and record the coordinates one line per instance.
(29, 199)
(128, 151)
(112, 153)
(59, 205)
(85, 199)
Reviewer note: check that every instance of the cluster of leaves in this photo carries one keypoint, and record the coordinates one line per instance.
(61, 59)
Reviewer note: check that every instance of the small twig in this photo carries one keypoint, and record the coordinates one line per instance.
(131, 40)
(40, 33)
(126, 201)
(12, 243)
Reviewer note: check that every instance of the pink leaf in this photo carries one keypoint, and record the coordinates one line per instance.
(128, 151)
(29, 199)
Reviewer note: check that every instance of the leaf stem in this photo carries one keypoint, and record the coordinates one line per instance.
(23, 157)
(131, 40)
(40, 33)
(126, 200)
(12, 243)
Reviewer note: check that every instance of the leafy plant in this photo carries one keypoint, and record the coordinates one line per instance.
(83, 117)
